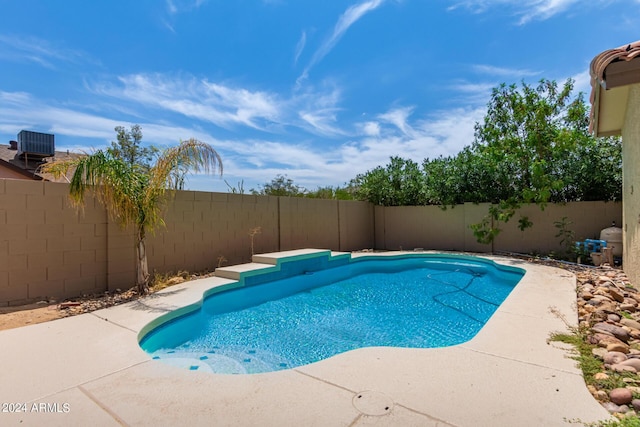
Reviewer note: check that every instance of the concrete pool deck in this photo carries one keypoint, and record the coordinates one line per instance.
(89, 370)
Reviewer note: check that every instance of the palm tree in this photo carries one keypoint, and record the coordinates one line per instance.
(134, 194)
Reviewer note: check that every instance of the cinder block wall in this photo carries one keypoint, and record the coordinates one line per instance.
(202, 227)
(431, 227)
(586, 219)
(48, 249)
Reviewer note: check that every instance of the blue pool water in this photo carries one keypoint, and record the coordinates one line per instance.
(416, 302)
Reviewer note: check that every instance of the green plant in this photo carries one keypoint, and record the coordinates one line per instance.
(238, 189)
(134, 193)
(590, 365)
(566, 235)
(632, 421)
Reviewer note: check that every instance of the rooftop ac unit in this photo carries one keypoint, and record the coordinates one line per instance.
(35, 144)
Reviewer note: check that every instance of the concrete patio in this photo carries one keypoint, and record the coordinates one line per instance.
(89, 370)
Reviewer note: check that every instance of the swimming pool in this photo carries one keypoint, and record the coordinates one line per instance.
(419, 301)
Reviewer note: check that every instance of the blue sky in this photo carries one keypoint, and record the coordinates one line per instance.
(317, 90)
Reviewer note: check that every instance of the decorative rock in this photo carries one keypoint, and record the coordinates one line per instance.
(631, 362)
(614, 357)
(585, 295)
(599, 352)
(616, 295)
(620, 396)
(623, 409)
(613, 317)
(609, 342)
(599, 337)
(616, 331)
(623, 368)
(611, 407)
(601, 395)
(621, 347)
(608, 307)
(600, 376)
(628, 307)
(636, 404)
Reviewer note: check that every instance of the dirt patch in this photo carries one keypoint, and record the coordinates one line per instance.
(14, 317)
(23, 315)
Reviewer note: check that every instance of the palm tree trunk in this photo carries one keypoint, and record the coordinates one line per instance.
(142, 268)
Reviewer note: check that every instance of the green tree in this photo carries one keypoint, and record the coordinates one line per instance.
(280, 186)
(133, 194)
(529, 132)
(129, 147)
(400, 183)
(533, 146)
(329, 192)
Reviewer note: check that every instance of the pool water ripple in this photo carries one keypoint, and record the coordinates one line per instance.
(399, 303)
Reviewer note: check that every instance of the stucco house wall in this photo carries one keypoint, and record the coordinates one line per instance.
(631, 185)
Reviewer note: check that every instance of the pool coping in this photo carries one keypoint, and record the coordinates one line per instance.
(508, 374)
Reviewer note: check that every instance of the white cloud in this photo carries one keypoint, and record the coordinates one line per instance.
(25, 112)
(300, 47)
(179, 6)
(582, 83)
(370, 128)
(318, 110)
(504, 72)
(39, 51)
(399, 118)
(216, 103)
(346, 20)
(527, 10)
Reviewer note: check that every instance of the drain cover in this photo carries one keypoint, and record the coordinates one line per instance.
(373, 403)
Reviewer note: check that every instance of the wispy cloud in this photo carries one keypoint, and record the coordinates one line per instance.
(22, 111)
(300, 47)
(346, 20)
(399, 118)
(216, 103)
(256, 161)
(503, 71)
(314, 109)
(39, 51)
(527, 10)
(318, 110)
(175, 7)
(180, 6)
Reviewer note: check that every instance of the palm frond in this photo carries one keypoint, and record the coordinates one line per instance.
(175, 162)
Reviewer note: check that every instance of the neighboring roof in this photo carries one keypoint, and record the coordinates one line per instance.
(612, 71)
(30, 167)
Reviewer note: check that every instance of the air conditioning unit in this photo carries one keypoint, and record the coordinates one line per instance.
(35, 144)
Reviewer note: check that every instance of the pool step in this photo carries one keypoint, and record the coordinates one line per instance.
(234, 272)
(271, 262)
